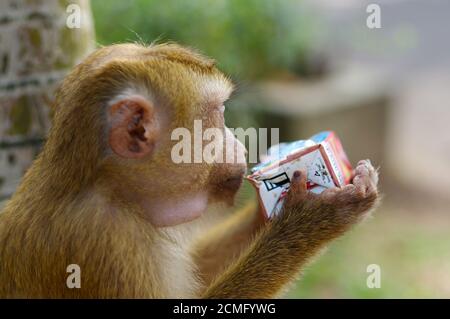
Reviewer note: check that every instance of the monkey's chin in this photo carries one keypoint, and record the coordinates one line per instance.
(179, 211)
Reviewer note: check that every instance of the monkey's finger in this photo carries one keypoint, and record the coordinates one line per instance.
(366, 178)
(297, 191)
(363, 168)
(362, 184)
(298, 182)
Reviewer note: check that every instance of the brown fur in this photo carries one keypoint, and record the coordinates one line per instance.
(79, 203)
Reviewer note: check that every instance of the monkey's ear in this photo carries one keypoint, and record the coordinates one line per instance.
(133, 127)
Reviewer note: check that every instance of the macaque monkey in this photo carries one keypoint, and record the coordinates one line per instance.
(105, 194)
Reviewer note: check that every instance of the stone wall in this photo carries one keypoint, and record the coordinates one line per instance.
(39, 42)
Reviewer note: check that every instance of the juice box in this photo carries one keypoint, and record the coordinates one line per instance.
(323, 158)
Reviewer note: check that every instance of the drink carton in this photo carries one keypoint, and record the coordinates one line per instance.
(321, 156)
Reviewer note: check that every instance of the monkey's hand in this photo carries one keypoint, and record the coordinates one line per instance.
(335, 209)
(306, 223)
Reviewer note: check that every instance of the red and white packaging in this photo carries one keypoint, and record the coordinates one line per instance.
(323, 158)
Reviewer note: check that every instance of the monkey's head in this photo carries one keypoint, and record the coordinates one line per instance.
(125, 119)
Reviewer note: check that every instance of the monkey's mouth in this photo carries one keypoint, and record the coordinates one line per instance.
(233, 183)
(226, 189)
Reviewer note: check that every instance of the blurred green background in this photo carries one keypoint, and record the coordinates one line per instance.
(306, 66)
(249, 39)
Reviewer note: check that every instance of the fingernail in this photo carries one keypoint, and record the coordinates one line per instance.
(297, 174)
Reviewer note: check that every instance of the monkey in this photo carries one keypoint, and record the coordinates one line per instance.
(105, 194)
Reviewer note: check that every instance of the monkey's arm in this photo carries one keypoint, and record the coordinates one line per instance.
(221, 245)
(306, 224)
